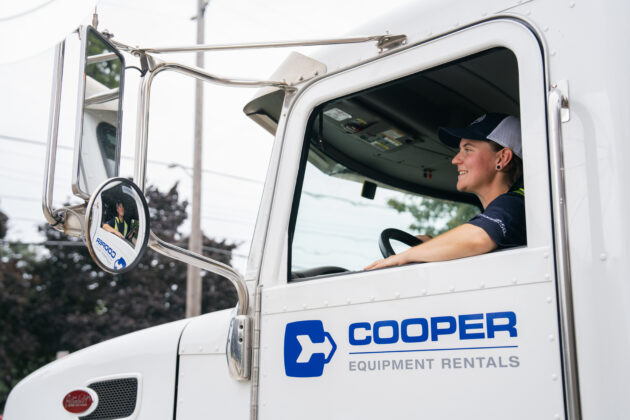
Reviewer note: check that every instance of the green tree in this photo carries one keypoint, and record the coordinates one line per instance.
(3, 225)
(64, 302)
(433, 216)
(14, 296)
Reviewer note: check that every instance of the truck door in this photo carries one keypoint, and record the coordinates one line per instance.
(470, 338)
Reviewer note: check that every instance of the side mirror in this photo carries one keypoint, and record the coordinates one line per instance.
(117, 225)
(99, 113)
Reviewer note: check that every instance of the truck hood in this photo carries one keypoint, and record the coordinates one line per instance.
(120, 373)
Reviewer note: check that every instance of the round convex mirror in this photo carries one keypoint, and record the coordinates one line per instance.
(117, 220)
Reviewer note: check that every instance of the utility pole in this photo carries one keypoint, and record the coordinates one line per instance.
(193, 278)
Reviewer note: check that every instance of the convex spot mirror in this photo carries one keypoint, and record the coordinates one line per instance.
(99, 113)
(117, 225)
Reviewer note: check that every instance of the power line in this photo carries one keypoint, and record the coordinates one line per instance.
(152, 161)
(29, 141)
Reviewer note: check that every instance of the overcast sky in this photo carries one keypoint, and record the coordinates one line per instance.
(235, 149)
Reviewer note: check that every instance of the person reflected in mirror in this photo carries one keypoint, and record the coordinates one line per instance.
(117, 225)
(489, 165)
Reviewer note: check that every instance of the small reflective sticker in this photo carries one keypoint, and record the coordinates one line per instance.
(337, 114)
(393, 135)
(77, 401)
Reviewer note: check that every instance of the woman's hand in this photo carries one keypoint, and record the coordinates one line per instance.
(394, 260)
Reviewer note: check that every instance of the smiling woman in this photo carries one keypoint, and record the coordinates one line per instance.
(488, 158)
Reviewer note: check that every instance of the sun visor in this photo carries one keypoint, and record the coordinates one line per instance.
(266, 105)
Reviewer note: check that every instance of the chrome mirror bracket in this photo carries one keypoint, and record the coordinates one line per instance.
(239, 347)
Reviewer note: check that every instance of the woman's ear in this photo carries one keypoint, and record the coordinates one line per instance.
(505, 156)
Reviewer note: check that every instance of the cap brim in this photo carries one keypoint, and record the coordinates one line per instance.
(452, 136)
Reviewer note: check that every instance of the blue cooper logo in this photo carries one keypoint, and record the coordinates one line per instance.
(107, 248)
(420, 330)
(120, 263)
(307, 348)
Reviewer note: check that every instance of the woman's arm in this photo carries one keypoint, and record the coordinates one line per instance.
(463, 241)
(110, 229)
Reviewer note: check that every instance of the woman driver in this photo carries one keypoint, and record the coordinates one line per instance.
(489, 164)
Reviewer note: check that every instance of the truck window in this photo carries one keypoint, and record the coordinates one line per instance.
(106, 137)
(386, 137)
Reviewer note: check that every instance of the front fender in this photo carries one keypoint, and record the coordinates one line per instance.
(149, 356)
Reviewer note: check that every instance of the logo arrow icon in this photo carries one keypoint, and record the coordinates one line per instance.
(309, 348)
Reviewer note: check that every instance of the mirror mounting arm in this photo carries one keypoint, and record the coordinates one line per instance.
(144, 98)
(53, 217)
(205, 263)
(238, 350)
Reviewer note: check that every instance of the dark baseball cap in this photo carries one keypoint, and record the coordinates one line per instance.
(502, 129)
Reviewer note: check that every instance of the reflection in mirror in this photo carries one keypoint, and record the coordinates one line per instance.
(100, 114)
(117, 220)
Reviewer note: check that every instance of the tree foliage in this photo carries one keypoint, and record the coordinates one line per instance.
(106, 72)
(64, 302)
(434, 216)
(14, 296)
(3, 225)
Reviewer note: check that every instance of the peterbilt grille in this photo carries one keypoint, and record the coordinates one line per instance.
(116, 399)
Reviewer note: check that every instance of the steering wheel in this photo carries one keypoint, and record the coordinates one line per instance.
(384, 240)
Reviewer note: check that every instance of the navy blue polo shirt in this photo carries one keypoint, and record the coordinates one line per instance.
(504, 219)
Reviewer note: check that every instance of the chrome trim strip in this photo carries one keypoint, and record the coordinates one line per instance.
(51, 147)
(207, 264)
(563, 264)
(78, 124)
(380, 39)
(255, 362)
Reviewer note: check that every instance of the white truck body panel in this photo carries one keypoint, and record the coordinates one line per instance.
(201, 364)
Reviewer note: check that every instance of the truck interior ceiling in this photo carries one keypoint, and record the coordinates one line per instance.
(372, 157)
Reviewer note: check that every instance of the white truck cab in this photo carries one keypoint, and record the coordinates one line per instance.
(539, 331)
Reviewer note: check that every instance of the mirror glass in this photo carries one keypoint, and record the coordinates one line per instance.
(117, 221)
(97, 150)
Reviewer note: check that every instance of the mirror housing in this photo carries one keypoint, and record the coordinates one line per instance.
(117, 225)
(99, 113)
